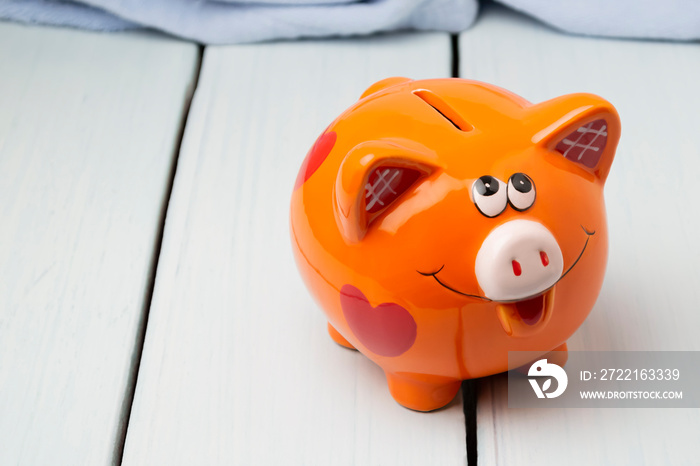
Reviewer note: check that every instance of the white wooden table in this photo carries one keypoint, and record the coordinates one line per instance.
(150, 310)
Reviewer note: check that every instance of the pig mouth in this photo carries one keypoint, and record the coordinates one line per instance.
(526, 316)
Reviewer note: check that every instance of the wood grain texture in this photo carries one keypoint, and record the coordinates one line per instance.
(88, 128)
(237, 366)
(649, 299)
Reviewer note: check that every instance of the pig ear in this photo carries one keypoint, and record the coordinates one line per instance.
(373, 178)
(583, 128)
(383, 84)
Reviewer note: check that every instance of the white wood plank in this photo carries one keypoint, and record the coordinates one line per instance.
(237, 365)
(649, 299)
(88, 129)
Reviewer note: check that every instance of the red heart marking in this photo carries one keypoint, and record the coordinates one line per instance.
(386, 330)
(318, 153)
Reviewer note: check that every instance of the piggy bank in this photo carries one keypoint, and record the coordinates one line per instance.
(440, 224)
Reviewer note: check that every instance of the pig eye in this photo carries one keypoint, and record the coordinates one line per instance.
(489, 195)
(521, 191)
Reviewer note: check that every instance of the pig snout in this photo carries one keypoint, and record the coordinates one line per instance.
(518, 259)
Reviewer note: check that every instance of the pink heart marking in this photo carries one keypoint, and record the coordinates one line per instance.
(318, 153)
(386, 330)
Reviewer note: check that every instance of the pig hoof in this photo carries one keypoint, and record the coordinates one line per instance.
(421, 392)
(558, 356)
(338, 338)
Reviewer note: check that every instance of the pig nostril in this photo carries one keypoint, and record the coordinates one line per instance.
(517, 270)
(545, 258)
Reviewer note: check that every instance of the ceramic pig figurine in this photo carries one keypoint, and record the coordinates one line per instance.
(442, 223)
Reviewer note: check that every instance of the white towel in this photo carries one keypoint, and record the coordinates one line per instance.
(640, 19)
(236, 21)
(229, 21)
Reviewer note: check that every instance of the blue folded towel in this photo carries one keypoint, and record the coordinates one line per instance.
(226, 22)
(639, 19)
(237, 21)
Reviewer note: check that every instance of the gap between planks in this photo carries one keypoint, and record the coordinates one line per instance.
(128, 401)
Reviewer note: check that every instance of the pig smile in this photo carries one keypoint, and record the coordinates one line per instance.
(522, 317)
(434, 275)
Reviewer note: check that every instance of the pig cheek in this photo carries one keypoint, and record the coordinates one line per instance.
(386, 330)
(316, 156)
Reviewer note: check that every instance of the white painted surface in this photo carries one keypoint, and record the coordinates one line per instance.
(237, 366)
(88, 127)
(650, 296)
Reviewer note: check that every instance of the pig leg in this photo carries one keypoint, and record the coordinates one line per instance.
(558, 356)
(422, 392)
(338, 338)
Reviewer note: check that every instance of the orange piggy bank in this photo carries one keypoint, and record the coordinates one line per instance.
(442, 223)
